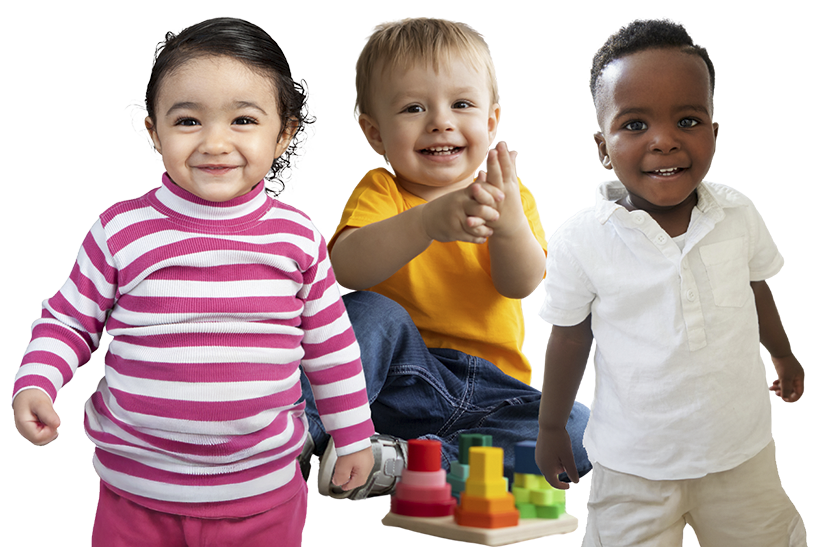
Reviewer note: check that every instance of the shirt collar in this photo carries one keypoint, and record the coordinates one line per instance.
(712, 200)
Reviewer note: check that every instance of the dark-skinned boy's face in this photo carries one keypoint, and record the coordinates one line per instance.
(655, 112)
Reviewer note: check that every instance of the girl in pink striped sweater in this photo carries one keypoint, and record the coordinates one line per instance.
(214, 294)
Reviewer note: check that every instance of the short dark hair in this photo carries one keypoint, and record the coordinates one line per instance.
(249, 44)
(642, 35)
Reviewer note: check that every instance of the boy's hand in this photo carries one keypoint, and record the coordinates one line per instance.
(790, 383)
(501, 176)
(553, 454)
(35, 417)
(354, 469)
(458, 216)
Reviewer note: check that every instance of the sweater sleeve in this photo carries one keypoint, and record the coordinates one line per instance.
(72, 321)
(332, 360)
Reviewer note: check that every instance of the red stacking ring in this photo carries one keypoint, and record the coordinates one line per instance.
(424, 455)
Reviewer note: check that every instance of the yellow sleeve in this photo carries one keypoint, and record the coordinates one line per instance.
(375, 198)
(531, 212)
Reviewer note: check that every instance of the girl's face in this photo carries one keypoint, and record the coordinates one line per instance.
(217, 127)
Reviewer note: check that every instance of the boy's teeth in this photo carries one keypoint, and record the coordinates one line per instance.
(440, 150)
(670, 171)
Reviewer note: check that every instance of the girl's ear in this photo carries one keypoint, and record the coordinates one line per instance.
(152, 133)
(286, 136)
(372, 133)
(603, 155)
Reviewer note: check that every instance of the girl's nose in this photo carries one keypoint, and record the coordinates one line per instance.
(216, 140)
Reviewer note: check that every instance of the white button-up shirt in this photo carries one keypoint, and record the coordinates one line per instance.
(680, 385)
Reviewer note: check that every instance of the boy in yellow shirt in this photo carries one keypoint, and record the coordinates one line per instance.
(442, 255)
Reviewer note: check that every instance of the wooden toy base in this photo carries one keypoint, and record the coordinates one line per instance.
(445, 527)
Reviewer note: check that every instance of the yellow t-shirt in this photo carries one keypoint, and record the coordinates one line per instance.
(448, 289)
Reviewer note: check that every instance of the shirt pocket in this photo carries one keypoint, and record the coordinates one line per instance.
(729, 272)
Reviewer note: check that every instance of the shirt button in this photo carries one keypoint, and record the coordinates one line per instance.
(660, 239)
(691, 295)
(638, 218)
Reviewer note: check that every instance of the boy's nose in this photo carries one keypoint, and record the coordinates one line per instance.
(440, 120)
(665, 141)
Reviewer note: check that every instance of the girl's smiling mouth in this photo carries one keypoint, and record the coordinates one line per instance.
(215, 169)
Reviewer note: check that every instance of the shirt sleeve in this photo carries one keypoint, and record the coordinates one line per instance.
(72, 321)
(569, 295)
(375, 198)
(332, 360)
(764, 259)
(531, 212)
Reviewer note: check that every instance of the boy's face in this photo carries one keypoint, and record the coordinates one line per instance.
(434, 128)
(657, 134)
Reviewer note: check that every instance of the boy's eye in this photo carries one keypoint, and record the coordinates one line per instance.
(635, 126)
(688, 122)
(462, 104)
(413, 109)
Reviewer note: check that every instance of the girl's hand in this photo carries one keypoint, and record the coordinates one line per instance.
(553, 454)
(790, 383)
(35, 417)
(353, 470)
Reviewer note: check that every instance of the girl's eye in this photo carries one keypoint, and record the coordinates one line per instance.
(187, 122)
(687, 122)
(462, 104)
(413, 109)
(245, 120)
(635, 126)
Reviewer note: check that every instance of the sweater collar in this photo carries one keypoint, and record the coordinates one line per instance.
(182, 204)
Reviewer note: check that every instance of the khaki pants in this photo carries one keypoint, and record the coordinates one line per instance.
(742, 507)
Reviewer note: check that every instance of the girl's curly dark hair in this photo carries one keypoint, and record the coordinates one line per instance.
(251, 45)
(640, 36)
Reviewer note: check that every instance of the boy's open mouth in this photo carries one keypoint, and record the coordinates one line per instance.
(440, 150)
(666, 172)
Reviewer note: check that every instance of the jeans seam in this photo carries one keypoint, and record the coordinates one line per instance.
(464, 403)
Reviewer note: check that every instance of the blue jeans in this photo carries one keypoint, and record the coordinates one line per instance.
(418, 392)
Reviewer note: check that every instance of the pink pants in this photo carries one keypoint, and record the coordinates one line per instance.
(122, 523)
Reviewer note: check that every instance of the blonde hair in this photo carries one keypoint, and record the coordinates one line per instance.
(427, 41)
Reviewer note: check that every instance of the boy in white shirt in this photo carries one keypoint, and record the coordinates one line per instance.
(667, 273)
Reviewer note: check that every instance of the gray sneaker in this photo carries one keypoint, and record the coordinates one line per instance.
(304, 460)
(390, 459)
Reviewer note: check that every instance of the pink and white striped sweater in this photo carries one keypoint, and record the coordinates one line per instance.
(212, 307)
